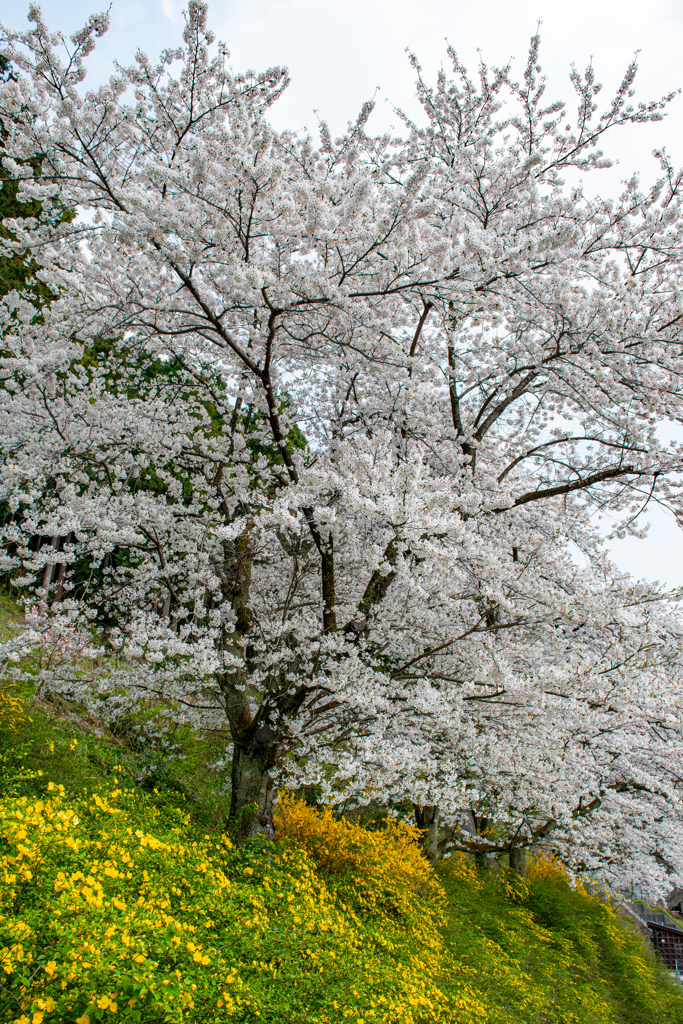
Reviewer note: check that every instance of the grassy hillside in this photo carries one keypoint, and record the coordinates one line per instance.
(124, 903)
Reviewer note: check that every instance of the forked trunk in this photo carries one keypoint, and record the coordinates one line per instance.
(253, 791)
(427, 820)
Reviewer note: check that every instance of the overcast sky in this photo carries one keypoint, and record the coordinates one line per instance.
(340, 53)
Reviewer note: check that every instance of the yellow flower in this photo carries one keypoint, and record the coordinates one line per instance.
(85, 1019)
(38, 1017)
(104, 1002)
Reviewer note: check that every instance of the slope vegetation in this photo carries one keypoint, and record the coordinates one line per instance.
(120, 903)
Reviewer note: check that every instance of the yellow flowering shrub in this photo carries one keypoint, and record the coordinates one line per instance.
(339, 845)
(110, 910)
(384, 869)
(380, 876)
(12, 709)
(547, 869)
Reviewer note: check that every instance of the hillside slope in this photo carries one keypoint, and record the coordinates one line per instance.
(118, 904)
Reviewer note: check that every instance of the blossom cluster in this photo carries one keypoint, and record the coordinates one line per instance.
(309, 441)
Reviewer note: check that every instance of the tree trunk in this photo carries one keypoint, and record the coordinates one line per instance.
(518, 860)
(253, 791)
(481, 826)
(480, 860)
(50, 567)
(427, 820)
(59, 581)
(61, 570)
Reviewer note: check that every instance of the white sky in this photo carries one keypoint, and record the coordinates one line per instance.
(338, 54)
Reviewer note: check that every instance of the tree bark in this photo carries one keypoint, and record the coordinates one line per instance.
(517, 857)
(481, 828)
(253, 791)
(427, 820)
(61, 570)
(50, 567)
(328, 587)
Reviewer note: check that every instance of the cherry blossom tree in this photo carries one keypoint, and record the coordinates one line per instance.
(563, 734)
(310, 435)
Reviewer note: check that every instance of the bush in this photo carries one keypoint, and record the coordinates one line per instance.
(379, 871)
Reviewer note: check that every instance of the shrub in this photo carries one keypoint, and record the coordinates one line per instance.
(384, 869)
(11, 708)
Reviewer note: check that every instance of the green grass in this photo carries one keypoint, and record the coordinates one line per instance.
(511, 951)
(42, 741)
(547, 953)
(11, 614)
(176, 769)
